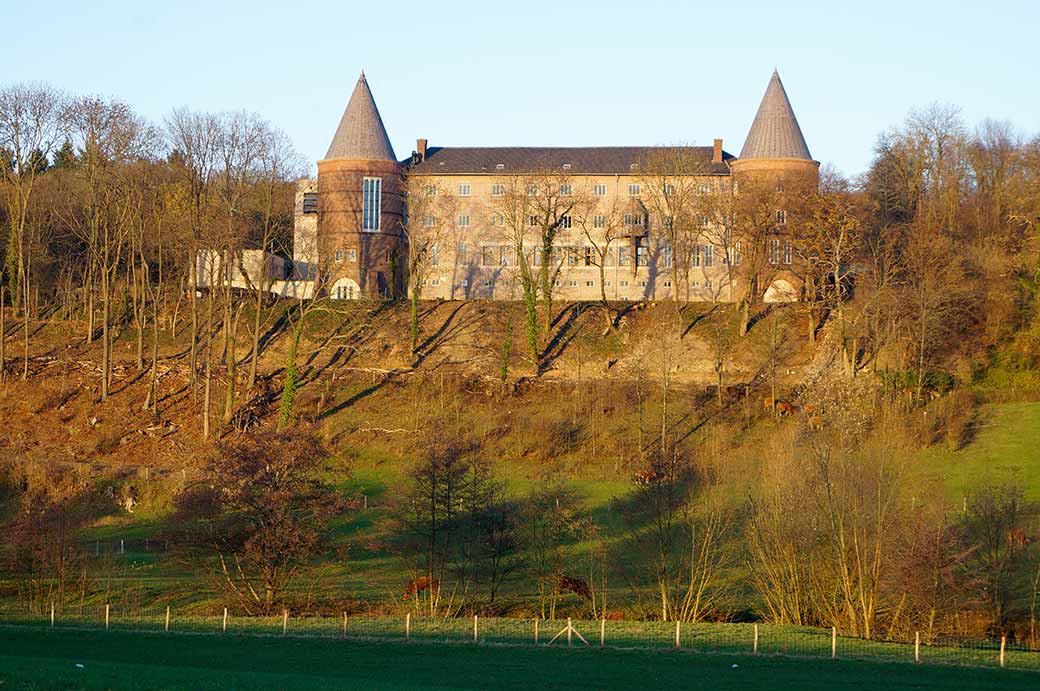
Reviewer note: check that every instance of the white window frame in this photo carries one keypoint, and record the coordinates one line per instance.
(371, 204)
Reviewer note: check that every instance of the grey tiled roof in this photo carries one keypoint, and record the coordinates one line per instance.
(592, 160)
(775, 132)
(361, 133)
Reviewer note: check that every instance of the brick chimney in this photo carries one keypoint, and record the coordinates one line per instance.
(716, 154)
(420, 148)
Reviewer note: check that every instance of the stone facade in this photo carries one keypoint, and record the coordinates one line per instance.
(341, 248)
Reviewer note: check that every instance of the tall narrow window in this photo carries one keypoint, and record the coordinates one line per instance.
(788, 253)
(464, 190)
(709, 255)
(371, 198)
(599, 190)
(781, 217)
(488, 255)
(774, 251)
(599, 221)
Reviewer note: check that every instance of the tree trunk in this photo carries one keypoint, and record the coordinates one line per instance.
(207, 392)
(257, 322)
(25, 325)
(106, 345)
(285, 412)
(3, 335)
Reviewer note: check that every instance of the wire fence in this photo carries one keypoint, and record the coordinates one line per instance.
(719, 638)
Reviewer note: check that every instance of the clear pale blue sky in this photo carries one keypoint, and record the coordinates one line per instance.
(530, 72)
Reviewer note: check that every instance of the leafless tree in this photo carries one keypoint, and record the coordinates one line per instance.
(32, 126)
(431, 213)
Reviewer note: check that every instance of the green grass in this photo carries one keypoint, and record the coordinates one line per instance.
(42, 659)
(1005, 448)
(728, 639)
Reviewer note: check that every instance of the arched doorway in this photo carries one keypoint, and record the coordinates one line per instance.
(346, 289)
(780, 290)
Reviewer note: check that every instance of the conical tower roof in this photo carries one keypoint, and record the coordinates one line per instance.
(775, 132)
(361, 133)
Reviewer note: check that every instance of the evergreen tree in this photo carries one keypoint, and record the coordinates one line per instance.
(65, 157)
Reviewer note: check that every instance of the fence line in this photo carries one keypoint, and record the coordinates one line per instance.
(737, 639)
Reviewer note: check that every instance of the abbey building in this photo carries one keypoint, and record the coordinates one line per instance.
(621, 223)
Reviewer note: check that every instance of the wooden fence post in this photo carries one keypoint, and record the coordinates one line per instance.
(602, 630)
(834, 642)
(569, 630)
(475, 628)
(754, 647)
(917, 647)
(52, 615)
(223, 627)
(166, 626)
(285, 621)
(344, 624)
(1003, 642)
(106, 616)
(408, 626)
(536, 630)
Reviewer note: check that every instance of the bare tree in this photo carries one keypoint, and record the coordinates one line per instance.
(531, 212)
(32, 125)
(278, 166)
(193, 138)
(603, 225)
(674, 180)
(239, 146)
(431, 211)
(110, 137)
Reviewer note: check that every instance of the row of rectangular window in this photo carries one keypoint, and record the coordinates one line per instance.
(565, 190)
(643, 283)
(576, 255)
(565, 222)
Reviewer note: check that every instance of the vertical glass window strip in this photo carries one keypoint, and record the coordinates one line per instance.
(371, 199)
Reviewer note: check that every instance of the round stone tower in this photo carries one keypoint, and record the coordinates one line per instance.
(360, 239)
(775, 143)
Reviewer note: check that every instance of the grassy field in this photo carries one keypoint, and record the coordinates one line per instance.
(42, 659)
(1005, 448)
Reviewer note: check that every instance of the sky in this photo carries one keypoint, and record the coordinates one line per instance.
(534, 73)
